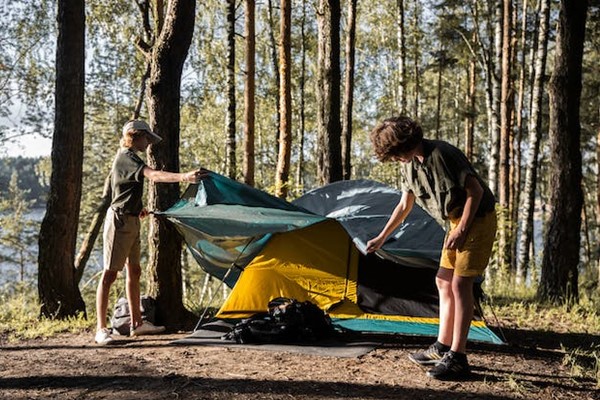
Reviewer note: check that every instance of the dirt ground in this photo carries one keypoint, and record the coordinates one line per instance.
(71, 367)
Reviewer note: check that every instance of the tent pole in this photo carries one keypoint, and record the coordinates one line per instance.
(214, 294)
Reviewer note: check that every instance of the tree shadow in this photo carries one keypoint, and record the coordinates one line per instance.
(186, 387)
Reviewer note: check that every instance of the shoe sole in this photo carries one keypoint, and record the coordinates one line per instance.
(464, 376)
(429, 363)
(105, 343)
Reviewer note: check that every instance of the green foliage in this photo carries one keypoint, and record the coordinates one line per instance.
(26, 68)
(32, 178)
(19, 233)
(19, 316)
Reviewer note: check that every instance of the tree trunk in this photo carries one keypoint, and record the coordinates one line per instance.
(438, 105)
(90, 238)
(349, 92)
(535, 135)
(275, 58)
(417, 57)
(505, 129)
(598, 207)
(285, 101)
(470, 117)
(516, 187)
(248, 167)
(496, 74)
(230, 164)
(164, 93)
(302, 82)
(401, 57)
(561, 251)
(57, 286)
(328, 97)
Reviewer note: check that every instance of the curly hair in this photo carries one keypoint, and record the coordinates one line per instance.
(395, 136)
(129, 136)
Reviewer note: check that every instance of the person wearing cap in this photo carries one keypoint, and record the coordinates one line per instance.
(122, 225)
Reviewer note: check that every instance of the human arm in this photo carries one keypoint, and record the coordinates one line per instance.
(398, 216)
(456, 238)
(173, 177)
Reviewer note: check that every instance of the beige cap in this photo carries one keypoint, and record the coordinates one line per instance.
(139, 125)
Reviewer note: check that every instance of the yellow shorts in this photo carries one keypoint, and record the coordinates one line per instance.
(472, 259)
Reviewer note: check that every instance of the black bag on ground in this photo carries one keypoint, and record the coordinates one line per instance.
(121, 318)
(288, 321)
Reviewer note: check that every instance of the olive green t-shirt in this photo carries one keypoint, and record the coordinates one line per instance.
(127, 182)
(439, 182)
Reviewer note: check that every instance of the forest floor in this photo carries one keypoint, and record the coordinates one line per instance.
(534, 365)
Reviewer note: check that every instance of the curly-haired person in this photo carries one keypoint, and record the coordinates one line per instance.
(439, 177)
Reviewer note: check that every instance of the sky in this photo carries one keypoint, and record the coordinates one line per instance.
(27, 146)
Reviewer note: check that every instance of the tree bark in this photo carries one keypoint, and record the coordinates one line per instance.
(516, 165)
(285, 101)
(505, 135)
(598, 207)
(441, 60)
(275, 59)
(230, 164)
(90, 238)
(470, 117)
(328, 98)
(496, 73)
(302, 83)
(535, 135)
(58, 291)
(417, 57)
(163, 99)
(349, 91)
(559, 278)
(248, 167)
(401, 57)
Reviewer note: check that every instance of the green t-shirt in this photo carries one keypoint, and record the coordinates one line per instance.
(439, 182)
(127, 182)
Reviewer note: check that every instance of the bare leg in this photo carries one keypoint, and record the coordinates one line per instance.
(463, 311)
(132, 289)
(444, 281)
(107, 279)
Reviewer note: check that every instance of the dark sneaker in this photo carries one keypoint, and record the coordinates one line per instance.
(453, 366)
(431, 356)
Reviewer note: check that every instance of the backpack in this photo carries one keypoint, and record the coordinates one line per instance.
(287, 321)
(121, 319)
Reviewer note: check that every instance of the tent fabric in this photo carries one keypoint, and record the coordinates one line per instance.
(363, 207)
(225, 222)
(310, 250)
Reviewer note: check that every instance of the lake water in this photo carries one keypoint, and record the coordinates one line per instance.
(12, 271)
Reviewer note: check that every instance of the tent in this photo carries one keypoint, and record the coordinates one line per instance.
(313, 249)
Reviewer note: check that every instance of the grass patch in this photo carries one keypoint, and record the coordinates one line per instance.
(583, 363)
(518, 307)
(20, 316)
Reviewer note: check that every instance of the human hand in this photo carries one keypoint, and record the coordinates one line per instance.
(456, 239)
(195, 176)
(375, 244)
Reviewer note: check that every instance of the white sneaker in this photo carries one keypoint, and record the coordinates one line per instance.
(103, 337)
(146, 328)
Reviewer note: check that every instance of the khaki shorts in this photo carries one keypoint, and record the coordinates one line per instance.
(121, 240)
(473, 258)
